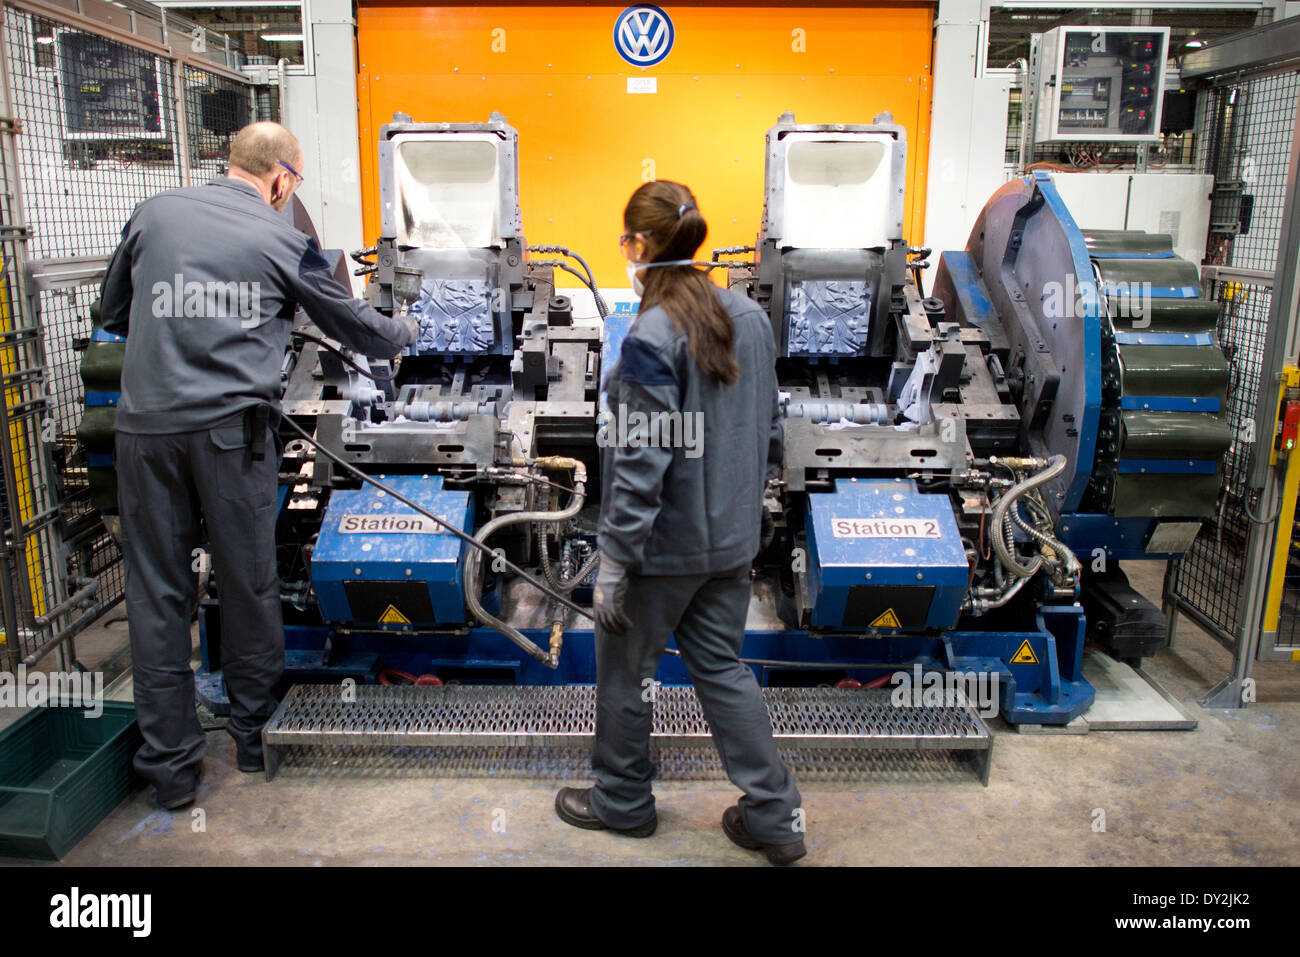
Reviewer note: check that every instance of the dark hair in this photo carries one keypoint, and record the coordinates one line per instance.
(667, 214)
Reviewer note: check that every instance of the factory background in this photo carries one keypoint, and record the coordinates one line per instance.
(963, 79)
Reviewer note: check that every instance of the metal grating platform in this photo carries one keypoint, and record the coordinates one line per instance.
(465, 716)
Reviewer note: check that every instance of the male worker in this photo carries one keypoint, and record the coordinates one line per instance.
(204, 286)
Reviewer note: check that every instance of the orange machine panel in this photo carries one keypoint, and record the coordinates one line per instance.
(586, 142)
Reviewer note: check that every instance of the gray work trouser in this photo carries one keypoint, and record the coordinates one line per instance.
(164, 481)
(706, 613)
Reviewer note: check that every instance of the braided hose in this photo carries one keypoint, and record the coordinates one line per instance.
(557, 582)
(1005, 546)
(544, 554)
(981, 606)
(470, 578)
(1047, 541)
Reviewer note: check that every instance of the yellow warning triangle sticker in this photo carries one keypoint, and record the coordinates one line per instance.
(887, 619)
(1024, 655)
(392, 616)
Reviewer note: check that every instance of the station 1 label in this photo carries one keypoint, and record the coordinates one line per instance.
(885, 528)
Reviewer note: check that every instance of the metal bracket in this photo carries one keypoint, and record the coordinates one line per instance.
(1226, 694)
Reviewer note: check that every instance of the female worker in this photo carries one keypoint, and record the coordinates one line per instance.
(679, 528)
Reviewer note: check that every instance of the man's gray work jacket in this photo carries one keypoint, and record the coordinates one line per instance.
(686, 496)
(203, 286)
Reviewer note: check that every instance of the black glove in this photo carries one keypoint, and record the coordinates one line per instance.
(610, 595)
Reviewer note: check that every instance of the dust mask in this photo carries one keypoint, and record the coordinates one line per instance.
(634, 268)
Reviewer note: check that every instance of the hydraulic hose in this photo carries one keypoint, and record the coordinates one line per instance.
(1004, 545)
(470, 577)
(544, 555)
(982, 605)
(345, 359)
(589, 283)
(556, 582)
(1009, 539)
(591, 279)
(1047, 541)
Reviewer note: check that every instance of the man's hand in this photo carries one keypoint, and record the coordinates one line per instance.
(412, 329)
(609, 596)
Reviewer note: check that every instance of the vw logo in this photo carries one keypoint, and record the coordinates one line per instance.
(643, 35)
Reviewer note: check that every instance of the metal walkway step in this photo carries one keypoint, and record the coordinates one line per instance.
(457, 716)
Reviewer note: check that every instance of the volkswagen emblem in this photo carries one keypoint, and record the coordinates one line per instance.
(643, 35)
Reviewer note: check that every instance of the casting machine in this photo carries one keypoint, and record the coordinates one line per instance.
(963, 471)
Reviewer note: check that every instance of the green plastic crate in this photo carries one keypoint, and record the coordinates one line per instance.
(60, 774)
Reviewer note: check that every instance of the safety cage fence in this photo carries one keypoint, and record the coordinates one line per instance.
(1246, 125)
(104, 105)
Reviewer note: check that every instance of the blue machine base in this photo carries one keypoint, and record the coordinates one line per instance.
(1044, 685)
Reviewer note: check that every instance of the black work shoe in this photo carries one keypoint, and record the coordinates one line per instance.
(250, 765)
(178, 802)
(780, 855)
(573, 805)
(173, 800)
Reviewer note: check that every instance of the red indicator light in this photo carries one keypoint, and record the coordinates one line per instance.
(1290, 424)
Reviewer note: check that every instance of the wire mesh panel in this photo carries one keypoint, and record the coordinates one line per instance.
(266, 102)
(30, 565)
(65, 316)
(1210, 576)
(1246, 142)
(1246, 146)
(215, 109)
(99, 132)
(105, 124)
(1015, 125)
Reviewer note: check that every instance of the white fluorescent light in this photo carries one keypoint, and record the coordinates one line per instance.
(283, 37)
(45, 40)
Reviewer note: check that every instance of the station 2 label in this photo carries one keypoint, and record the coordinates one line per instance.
(885, 528)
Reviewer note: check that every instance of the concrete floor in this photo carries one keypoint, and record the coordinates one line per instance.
(1227, 793)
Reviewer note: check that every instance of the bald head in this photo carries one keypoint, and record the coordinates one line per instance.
(261, 155)
(259, 148)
